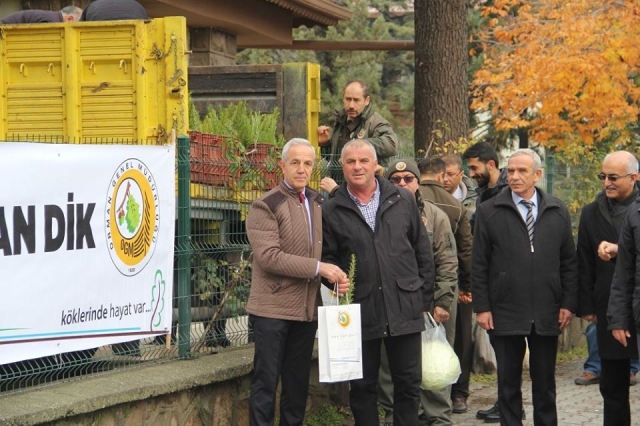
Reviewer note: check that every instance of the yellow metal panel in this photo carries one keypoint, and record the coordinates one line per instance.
(124, 80)
(32, 80)
(313, 102)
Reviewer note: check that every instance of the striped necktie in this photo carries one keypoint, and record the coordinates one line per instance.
(529, 220)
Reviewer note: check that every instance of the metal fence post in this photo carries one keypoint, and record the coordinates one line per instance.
(184, 249)
(551, 163)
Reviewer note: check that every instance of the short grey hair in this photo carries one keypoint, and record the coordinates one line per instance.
(632, 160)
(358, 143)
(294, 142)
(537, 161)
(74, 11)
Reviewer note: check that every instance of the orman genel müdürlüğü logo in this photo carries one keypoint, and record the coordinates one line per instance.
(344, 319)
(132, 217)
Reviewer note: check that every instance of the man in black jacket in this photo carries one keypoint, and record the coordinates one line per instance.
(113, 10)
(524, 283)
(484, 168)
(600, 223)
(483, 163)
(394, 280)
(35, 16)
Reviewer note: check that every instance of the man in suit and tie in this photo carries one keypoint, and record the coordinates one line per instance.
(524, 282)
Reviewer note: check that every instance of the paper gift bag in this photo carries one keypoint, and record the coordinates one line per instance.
(339, 343)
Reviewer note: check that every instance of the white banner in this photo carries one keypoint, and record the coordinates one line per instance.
(86, 246)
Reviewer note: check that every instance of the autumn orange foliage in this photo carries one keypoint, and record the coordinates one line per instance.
(565, 69)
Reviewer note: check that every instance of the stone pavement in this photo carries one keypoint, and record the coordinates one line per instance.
(577, 405)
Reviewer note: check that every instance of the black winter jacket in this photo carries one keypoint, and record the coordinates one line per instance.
(595, 276)
(519, 286)
(624, 302)
(395, 273)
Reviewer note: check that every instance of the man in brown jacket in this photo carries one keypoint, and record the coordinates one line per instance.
(284, 227)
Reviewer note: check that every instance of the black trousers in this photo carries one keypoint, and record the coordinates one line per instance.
(464, 349)
(614, 388)
(283, 352)
(404, 355)
(510, 352)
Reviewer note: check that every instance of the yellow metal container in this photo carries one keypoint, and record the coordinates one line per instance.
(94, 82)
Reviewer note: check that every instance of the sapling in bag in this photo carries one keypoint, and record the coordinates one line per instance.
(440, 364)
(340, 337)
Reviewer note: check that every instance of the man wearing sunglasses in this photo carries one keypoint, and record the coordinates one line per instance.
(436, 404)
(598, 232)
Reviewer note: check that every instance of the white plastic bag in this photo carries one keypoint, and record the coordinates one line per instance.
(440, 364)
(484, 358)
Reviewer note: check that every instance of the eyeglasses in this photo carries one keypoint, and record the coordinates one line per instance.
(396, 179)
(612, 178)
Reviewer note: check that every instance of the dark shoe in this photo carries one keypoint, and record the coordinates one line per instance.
(459, 404)
(587, 378)
(632, 379)
(492, 418)
(482, 414)
(495, 417)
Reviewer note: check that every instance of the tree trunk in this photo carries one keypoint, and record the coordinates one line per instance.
(441, 85)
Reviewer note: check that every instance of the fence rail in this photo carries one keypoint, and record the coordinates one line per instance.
(212, 267)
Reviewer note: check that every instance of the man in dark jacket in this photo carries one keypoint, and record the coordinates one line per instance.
(404, 173)
(623, 311)
(35, 16)
(459, 186)
(600, 223)
(380, 224)
(358, 120)
(113, 10)
(483, 164)
(524, 283)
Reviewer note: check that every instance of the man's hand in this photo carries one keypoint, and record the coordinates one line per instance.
(332, 273)
(327, 184)
(324, 134)
(343, 287)
(464, 297)
(485, 320)
(607, 251)
(440, 314)
(591, 318)
(564, 317)
(621, 336)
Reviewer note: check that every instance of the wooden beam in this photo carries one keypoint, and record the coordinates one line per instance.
(340, 45)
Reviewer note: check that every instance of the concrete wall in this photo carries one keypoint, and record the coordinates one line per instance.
(212, 390)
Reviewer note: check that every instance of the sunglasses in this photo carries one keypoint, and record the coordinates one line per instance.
(396, 179)
(612, 178)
